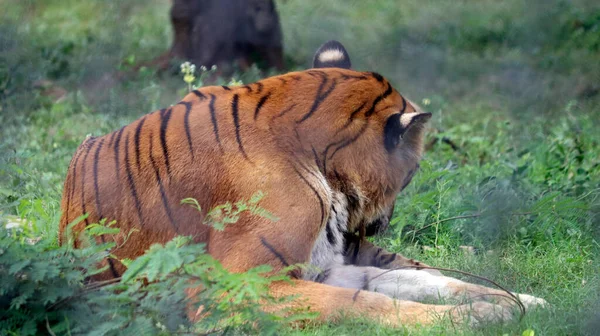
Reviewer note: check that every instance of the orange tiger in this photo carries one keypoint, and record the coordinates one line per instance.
(330, 147)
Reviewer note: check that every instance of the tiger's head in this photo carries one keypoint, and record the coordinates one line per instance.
(386, 134)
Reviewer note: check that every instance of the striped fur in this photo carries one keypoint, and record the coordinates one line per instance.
(330, 147)
(220, 145)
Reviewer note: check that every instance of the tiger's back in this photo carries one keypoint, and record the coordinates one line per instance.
(223, 144)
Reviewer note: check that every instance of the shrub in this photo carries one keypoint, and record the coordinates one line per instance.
(43, 290)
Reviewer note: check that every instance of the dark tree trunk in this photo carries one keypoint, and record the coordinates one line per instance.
(225, 33)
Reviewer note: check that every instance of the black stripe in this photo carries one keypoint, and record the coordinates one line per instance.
(352, 115)
(138, 131)
(318, 161)
(96, 189)
(337, 143)
(330, 236)
(112, 267)
(111, 264)
(134, 193)
(315, 73)
(321, 203)
(352, 198)
(226, 88)
(321, 277)
(403, 105)
(340, 224)
(112, 138)
(387, 92)
(87, 152)
(320, 97)
(199, 94)
(116, 149)
(274, 251)
(164, 123)
(260, 104)
(356, 250)
(356, 111)
(377, 76)
(248, 88)
(305, 167)
(236, 123)
(260, 87)
(213, 119)
(390, 258)
(346, 77)
(365, 281)
(186, 125)
(283, 81)
(351, 140)
(161, 188)
(282, 113)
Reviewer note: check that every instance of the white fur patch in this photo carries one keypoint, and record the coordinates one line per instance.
(325, 254)
(406, 118)
(331, 55)
(410, 285)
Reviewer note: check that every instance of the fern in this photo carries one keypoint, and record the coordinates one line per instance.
(43, 287)
(228, 213)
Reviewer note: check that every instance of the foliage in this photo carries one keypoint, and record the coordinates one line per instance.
(228, 213)
(44, 290)
(511, 167)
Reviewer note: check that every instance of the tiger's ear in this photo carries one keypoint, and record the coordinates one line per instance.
(332, 54)
(398, 124)
(411, 118)
(407, 120)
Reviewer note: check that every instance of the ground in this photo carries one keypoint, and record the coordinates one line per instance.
(510, 180)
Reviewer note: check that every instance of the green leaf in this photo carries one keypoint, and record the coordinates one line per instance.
(104, 328)
(135, 268)
(193, 202)
(528, 332)
(99, 230)
(140, 326)
(19, 265)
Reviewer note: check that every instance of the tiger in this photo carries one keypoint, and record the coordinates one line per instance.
(330, 147)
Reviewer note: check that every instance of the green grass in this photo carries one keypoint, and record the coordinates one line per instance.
(513, 86)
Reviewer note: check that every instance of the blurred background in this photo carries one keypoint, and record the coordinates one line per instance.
(510, 182)
(526, 57)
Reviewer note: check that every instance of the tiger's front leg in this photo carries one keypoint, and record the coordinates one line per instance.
(387, 273)
(364, 253)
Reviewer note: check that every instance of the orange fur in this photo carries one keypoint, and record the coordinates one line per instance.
(300, 138)
(276, 153)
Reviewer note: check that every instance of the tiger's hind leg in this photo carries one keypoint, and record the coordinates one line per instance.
(329, 301)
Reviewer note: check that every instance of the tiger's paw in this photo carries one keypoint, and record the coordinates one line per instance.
(477, 313)
(532, 302)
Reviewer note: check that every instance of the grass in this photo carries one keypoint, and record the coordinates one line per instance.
(514, 147)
